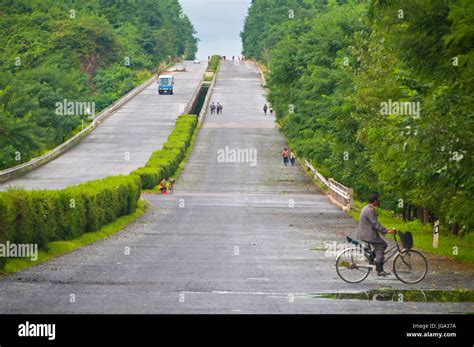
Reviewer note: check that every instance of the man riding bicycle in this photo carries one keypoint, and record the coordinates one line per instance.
(370, 229)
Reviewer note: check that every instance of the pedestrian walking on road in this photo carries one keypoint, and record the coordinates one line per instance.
(213, 108)
(265, 108)
(285, 154)
(219, 108)
(271, 110)
(292, 159)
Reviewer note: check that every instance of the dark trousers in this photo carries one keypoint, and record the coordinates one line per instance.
(379, 248)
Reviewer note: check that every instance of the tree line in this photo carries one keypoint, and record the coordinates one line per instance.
(378, 95)
(91, 51)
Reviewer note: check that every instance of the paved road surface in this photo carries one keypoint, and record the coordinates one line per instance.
(123, 142)
(228, 241)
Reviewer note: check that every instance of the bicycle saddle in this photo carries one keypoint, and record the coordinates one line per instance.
(354, 241)
(359, 242)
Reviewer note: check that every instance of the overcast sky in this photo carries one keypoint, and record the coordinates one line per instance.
(218, 24)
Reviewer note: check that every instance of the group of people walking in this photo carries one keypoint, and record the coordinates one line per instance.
(267, 108)
(216, 108)
(234, 57)
(288, 156)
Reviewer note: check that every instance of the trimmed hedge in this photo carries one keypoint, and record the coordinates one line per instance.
(214, 63)
(43, 216)
(164, 162)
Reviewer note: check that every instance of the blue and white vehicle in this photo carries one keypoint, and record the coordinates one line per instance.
(165, 84)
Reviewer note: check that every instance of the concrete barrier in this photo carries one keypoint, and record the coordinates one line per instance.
(207, 100)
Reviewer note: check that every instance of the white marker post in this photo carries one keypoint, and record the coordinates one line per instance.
(436, 234)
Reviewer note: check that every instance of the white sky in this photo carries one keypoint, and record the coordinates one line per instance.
(218, 24)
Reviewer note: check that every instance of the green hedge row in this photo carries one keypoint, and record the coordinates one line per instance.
(164, 162)
(214, 63)
(43, 216)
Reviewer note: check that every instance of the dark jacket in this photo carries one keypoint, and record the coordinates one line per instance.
(369, 226)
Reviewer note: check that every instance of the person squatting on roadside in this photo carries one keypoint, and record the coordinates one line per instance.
(162, 186)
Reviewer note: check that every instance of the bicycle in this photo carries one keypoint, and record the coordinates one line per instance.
(355, 263)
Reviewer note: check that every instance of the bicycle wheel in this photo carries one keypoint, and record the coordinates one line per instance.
(410, 266)
(353, 265)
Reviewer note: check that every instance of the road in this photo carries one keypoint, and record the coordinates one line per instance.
(234, 238)
(123, 142)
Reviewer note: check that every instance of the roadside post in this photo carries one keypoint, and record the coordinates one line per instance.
(436, 234)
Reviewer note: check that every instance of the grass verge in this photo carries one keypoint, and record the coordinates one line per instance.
(457, 248)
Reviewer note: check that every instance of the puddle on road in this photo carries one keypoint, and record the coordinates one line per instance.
(403, 295)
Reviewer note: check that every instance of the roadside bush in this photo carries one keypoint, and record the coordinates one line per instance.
(43, 216)
(6, 222)
(164, 162)
(214, 63)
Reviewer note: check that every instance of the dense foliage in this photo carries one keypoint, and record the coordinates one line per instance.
(336, 65)
(79, 51)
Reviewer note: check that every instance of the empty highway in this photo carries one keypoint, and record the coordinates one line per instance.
(236, 237)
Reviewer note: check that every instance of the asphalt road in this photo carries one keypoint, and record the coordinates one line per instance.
(234, 238)
(123, 142)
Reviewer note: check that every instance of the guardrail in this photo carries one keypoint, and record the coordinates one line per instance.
(316, 174)
(341, 194)
(98, 119)
(205, 105)
(189, 104)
